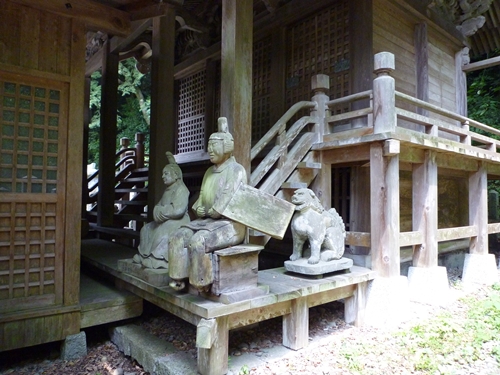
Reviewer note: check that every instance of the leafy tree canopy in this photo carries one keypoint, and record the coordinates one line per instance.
(134, 103)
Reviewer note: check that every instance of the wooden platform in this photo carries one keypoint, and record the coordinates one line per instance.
(290, 296)
(102, 303)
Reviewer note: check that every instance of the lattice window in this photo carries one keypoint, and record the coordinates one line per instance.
(191, 117)
(27, 250)
(261, 96)
(29, 128)
(32, 180)
(319, 45)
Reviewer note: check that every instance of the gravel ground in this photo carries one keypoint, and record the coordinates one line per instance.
(333, 345)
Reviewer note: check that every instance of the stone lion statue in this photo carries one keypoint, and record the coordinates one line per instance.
(324, 230)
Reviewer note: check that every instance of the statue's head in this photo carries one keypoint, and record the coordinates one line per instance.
(172, 169)
(223, 135)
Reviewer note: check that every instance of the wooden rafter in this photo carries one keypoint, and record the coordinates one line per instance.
(96, 16)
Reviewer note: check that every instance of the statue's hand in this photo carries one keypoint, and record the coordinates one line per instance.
(200, 211)
(214, 214)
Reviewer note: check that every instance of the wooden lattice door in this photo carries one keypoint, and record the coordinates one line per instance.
(319, 44)
(33, 126)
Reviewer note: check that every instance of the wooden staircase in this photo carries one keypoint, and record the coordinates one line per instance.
(130, 196)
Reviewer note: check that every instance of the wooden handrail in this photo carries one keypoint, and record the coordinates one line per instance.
(350, 98)
(279, 127)
(279, 149)
(446, 113)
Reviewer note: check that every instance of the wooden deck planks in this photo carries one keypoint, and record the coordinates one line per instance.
(102, 303)
(290, 296)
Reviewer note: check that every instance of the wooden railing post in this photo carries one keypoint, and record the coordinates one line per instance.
(124, 144)
(320, 85)
(384, 100)
(139, 150)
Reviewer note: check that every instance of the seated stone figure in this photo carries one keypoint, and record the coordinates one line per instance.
(191, 247)
(169, 214)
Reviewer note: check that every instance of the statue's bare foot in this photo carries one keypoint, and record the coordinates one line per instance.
(204, 289)
(177, 285)
(137, 259)
(313, 260)
(294, 256)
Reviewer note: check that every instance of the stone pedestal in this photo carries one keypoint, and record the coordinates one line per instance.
(74, 347)
(480, 269)
(429, 285)
(235, 274)
(387, 301)
(301, 266)
(156, 277)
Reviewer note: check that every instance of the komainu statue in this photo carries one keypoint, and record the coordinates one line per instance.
(324, 230)
(169, 214)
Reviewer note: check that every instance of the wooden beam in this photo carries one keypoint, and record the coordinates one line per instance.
(72, 220)
(425, 211)
(107, 138)
(96, 16)
(422, 64)
(361, 59)
(345, 155)
(384, 212)
(236, 75)
(478, 210)
(162, 130)
(137, 28)
(461, 57)
(483, 64)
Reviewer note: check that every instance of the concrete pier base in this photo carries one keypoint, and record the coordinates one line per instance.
(429, 285)
(387, 301)
(480, 269)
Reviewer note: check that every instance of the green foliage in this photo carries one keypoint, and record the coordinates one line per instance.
(483, 96)
(448, 342)
(483, 101)
(134, 103)
(245, 370)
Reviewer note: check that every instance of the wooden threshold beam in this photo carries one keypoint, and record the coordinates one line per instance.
(95, 15)
(483, 64)
(118, 44)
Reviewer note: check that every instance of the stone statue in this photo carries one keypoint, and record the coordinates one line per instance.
(191, 247)
(169, 214)
(324, 229)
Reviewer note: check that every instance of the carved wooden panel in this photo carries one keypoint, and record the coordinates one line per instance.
(319, 44)
(32, 188)
(191, 115)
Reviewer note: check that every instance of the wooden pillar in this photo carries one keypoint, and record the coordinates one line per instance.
(384, 211)
(236, 74)
(296, 325)
(461, 58)
(478, 210)
(72, 217)
(85, 149)
(425, 210)
(359, 204)
(107, 137)
(322, 184)
(213, 361)
(163, 121)
(361, 13)
(422, 64)
(384, 100)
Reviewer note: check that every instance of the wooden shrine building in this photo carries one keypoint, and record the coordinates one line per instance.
(362, 101)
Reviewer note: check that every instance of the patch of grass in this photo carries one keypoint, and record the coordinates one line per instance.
(447, 342)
